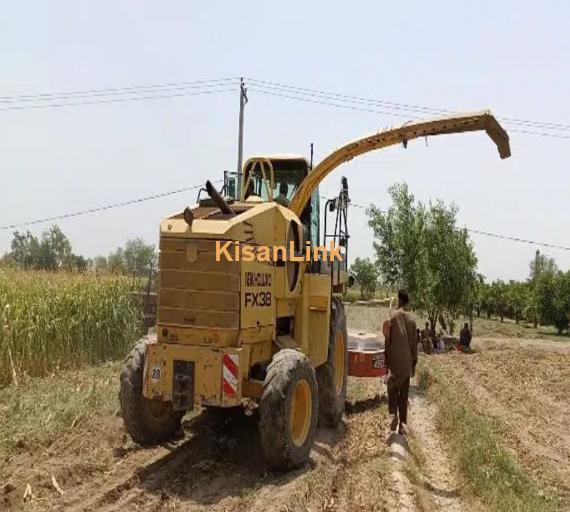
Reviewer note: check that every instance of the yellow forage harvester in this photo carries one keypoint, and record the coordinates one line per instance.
(270, 330)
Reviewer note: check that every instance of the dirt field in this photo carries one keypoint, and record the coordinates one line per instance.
(524, 389)
(88, 463)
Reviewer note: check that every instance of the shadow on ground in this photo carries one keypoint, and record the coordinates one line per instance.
(360, 406)
(222, 458)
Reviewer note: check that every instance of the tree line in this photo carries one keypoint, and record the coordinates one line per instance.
(544, 298)
(53, 251)
(419, 247)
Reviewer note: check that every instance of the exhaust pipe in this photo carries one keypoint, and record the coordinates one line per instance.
(218, 199)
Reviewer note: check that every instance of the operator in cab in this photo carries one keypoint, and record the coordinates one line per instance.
(282, 197)
(401, 353)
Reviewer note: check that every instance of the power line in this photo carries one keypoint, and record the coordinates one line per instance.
(135, 89)
(517, 239)
(111, 100)
(101, 208)
(306, 94)
(489, 234)
(386, 112)
(406, 107)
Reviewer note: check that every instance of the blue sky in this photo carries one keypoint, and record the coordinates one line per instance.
(512, 57)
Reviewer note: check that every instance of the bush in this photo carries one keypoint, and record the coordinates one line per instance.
(366, 276)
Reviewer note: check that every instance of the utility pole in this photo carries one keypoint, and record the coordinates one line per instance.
(242, 102)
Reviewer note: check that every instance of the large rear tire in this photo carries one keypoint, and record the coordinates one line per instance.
(288, 410)
(147, 421)
(332, 376)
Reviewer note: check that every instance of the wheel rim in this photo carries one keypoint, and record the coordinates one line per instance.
(300, 414)
(339, 362)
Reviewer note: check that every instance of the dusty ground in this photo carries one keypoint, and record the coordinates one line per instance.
(213, 467)
(524, 387)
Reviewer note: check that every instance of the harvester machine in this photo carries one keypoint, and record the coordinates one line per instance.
(249, 301)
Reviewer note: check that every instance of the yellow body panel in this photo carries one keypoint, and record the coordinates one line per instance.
(207, 372)
(257, 297)
(312, 316)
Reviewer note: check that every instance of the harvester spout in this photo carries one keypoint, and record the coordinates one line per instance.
(458, 123)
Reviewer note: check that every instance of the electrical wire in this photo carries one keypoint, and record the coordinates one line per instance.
(315, 96)
(102, 208)
(290, 89)
(485, 233)
(310, 95)
(136, 89)
(111, 100)
(384, 111)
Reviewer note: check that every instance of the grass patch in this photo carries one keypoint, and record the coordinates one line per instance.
(366, 318)
(490, 470)
(424, 378)
(41, 410)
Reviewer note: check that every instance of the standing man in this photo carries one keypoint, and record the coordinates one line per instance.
(401, 354)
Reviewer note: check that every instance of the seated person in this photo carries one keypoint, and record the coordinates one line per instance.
(440, 346)
(465, 336)
(282, 197)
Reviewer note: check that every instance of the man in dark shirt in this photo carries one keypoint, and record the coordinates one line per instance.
(401, 353)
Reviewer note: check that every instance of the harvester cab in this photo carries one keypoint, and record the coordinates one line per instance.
(249, 305)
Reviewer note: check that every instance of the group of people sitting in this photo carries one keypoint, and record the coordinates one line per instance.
(435, 343)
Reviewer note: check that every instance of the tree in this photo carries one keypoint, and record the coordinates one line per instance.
(25, 250)
(498, 298)
(51, 252)
(139, 257)
(99, 264)
(116, 262)
(553, 298)
(366, 275)
(542, 264)
(55, 249)
(136, 259)
(517, 294)
(420, 248)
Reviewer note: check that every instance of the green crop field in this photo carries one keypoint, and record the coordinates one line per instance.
(55, 320)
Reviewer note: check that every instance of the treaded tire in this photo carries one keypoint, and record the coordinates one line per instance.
(331, 401)
(145, 427)
(286, 370)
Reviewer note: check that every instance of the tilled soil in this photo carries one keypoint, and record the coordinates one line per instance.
(360, 466)
(525, 388)
(214, 466)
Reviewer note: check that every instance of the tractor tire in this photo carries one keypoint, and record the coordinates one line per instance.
(332, 376)
(288, 410)
(147, 421)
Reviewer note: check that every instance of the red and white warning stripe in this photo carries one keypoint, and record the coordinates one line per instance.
(230, 374)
